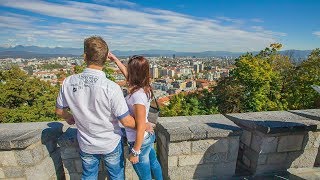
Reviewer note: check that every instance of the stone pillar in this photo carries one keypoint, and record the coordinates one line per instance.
(276, 141)
(196, 147)
(29, 151)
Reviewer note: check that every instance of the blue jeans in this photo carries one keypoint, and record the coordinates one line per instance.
(148, 162)
(113, 161)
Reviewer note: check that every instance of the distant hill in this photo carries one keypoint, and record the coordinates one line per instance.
(35, 51)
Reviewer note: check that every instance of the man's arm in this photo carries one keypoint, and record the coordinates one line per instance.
(66, 115)
(128, 121)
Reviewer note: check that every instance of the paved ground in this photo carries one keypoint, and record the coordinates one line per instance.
(291, 174)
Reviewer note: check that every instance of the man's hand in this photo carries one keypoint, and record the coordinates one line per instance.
(150, 127)
(71, 121)
(112, 57)
(133, 159)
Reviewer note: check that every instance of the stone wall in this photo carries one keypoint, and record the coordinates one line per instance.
(277, 141)
(198, 147)
(72, 163)
(188, 147)
(29, 151)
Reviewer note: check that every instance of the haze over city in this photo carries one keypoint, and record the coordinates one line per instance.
(188, 26)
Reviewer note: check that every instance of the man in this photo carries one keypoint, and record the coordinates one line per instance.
(97, 104)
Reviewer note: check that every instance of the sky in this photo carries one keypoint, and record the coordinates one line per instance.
(180, 25)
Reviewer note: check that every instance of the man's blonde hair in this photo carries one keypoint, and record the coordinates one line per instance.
(96, 50)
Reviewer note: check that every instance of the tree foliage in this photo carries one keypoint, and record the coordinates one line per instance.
(191, 104)
(24, 98)
(266, 81)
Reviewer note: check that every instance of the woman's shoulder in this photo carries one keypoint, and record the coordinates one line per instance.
(139, 94)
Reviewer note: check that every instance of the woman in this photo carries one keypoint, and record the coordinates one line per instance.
(142, 153)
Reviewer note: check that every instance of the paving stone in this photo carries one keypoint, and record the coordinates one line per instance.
(290, 143)
(311, 140)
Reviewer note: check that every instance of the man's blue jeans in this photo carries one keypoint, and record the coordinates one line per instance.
(148, 161)
(113, 161)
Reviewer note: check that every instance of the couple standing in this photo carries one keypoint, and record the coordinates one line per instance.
(97, 105)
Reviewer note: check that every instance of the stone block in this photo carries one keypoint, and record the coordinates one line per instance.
(311, 140)
(233, 148)
(7, 158)
(290, 143)
(14, 172)
(201, 146)
(162, 138)
(73, 176)
(37, 152)
(190, 160)
(245, 138)
(24, 157)
(270, 168)
(262, 159)
(49, 147)
(191, 172)
(179, 148)
(215, 157)
(46, 168)
(277, 158)
(221, 145)
(264, 144)
(78, 165)
(2, 173)
(224, 169)
(70, 152)
(246, 161)
(302, 159)
(172, 161)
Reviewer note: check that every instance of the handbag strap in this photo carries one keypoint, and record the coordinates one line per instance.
(155, 99)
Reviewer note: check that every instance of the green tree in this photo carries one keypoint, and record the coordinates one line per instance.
(24, 98)
(108, 71)
(301, 95)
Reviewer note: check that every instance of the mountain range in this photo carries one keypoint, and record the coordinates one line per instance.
(36, 51)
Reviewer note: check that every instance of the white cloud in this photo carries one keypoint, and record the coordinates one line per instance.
(317, 33)
(128, 29)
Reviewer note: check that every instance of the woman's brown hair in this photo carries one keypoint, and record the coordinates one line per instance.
(139, 75)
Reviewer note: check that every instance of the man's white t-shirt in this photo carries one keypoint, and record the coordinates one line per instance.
(97, 105)
(138, 97)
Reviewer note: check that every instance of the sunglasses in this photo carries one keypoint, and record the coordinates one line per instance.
(135, 57)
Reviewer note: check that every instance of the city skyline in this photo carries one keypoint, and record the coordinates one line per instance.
(176, 25)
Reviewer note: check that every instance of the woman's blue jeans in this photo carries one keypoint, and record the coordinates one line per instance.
(148, 162)
(114, 163)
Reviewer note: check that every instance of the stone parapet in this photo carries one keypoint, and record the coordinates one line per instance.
(72, 164)
(29, 150)
(278, 140)
(197, 147)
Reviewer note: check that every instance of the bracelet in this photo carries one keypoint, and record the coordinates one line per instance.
(135, 153)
